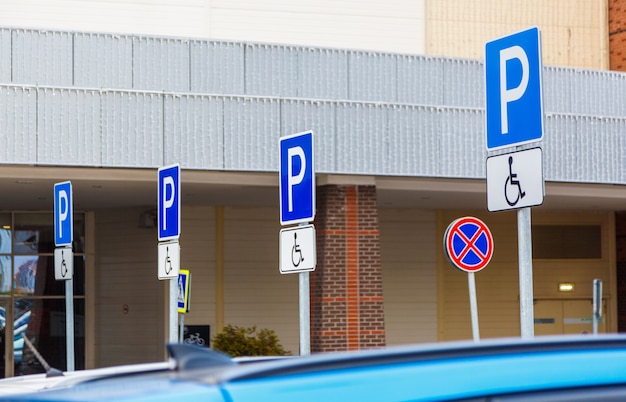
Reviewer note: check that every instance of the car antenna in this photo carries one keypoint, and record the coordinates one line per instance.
(50, 371)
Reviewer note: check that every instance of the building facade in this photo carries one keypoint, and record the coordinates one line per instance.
(397, 115)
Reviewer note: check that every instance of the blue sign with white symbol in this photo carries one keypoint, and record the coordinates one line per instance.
(514, 106)
(63, 214)
(468, 244)
(168, 203)
(297, 179)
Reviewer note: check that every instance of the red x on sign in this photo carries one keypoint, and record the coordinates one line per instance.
(468, 244)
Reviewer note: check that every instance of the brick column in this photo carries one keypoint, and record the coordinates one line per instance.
(346, 287)
(617, 35)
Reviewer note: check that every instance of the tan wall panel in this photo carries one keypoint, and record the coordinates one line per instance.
(197, 254)
(409, 275)
(255, 293)
(126, 274)
(497, 285)
(574, 33)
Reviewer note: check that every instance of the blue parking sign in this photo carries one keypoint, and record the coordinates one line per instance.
(63, 214)
(514, 105)
(168, 202)
(297, 179)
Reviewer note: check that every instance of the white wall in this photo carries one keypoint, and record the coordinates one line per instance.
(392, 25)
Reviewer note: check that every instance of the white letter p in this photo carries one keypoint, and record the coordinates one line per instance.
(513, 94)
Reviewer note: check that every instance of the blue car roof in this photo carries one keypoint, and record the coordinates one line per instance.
(443, 371)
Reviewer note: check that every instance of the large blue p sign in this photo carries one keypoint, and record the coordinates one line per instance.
(514, 109)
(168, 201)
(63, 214)
(297, 179)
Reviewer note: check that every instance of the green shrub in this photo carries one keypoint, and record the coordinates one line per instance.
(240, 341)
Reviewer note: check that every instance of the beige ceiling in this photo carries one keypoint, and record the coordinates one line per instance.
(31, 188)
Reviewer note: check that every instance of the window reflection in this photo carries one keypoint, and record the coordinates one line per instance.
(5, 240)
(33, 297)
(5, 274)
(25, 274)
(46, 329)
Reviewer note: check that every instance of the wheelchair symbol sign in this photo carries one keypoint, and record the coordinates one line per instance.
(297, 249)
(515, 180)
(468, 244)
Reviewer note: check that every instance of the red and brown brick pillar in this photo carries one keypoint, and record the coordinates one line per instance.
(617, 35)
(346, 286)
(617, 61)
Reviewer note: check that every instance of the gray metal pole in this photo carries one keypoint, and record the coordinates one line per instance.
(524, 239)
(69, 323)
(173, 321)
(305, 314)
(597, 304)
(473, 306)
(181, 328)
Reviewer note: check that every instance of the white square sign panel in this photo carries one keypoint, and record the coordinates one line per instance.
(515, 180)
(169, 260)
(297, 249)
(63, 263)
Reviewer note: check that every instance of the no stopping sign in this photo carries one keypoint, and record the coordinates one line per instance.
(468, 244)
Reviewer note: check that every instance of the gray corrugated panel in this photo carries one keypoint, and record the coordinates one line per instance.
(420, 80)
(251, 132)
(69, 127)
(559, 146)
(372, 76)
(464, 83)
(5, 55)
(298, 116)
(132, 129)
(557, 89)
(18, 131)
(462, 151)
(589, 93)
(194, 131)
(41, 57)
(323, 73)
(217, 67)
(271, 70)
(362, 138)
(103, 61)
(602, 143)
(413, 141)
(160, 64)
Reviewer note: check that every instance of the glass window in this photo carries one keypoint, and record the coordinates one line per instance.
(32, 295)
(33, 233)
(43, 322)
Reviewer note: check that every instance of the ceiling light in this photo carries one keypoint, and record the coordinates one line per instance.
(566, 287)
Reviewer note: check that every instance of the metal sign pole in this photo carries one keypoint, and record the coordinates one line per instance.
(173, 321)
(524, 239)
(305, 314)
(69, 322)
(597, 304)
(473, 306)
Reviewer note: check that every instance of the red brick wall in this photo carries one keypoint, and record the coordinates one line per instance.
(617, 35)
(346, 287)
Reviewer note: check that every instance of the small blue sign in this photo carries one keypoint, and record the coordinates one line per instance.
(514, 106)
(297, 179)
(63, 214)
(168, 202)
